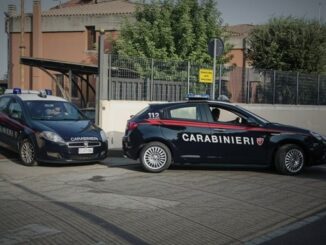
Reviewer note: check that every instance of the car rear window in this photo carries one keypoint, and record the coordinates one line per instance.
(185, 112)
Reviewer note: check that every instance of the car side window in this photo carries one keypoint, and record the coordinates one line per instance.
(187, 113)
(15, 110)
(4, 104)
(223, 115)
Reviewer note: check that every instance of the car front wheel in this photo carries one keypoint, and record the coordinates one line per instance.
(155, 157)
(27, 153)
(289, 159)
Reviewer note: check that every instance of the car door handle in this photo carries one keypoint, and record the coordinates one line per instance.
(219, 130)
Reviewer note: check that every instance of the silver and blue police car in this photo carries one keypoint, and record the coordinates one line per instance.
(202, 131)
(46, 128)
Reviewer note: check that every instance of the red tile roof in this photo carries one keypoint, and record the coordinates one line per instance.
(103, 8)
(241, 30)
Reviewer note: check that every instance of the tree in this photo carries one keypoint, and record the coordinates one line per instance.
(171, 29)
(289, 44)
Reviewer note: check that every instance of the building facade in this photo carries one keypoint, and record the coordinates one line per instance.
(68, 32)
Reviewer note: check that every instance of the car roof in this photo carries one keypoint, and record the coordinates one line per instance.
(191, 102)
(29, 97)
(36, 97)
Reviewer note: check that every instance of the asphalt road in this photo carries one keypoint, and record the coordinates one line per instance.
(312, 233)
(116, 202)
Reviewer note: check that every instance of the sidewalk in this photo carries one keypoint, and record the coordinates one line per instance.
(116, 202)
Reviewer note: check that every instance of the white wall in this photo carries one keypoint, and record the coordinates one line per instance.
(114, 116)
(309, 117)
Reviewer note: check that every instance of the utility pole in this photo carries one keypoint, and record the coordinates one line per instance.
(22, 43)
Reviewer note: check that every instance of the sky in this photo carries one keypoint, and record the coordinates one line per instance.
(233, 12)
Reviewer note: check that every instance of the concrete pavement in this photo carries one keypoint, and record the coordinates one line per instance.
(115, 202)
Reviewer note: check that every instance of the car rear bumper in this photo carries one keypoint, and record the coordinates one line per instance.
(129, 150)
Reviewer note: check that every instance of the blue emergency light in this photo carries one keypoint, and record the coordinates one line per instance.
(48, 91)
(17, 91)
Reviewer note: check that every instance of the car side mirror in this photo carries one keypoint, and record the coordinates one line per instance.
(252, 122)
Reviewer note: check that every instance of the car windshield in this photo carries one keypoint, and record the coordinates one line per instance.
(54, 111)
(263, 120)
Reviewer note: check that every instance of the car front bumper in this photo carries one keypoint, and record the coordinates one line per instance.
(51, 152)
(318, 154)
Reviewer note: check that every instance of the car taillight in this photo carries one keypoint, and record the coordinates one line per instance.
(132, 125)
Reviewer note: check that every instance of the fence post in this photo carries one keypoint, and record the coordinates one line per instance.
(274, 86)
(220, 81)
(297, 98)
(188, 78)
(318, 89)
(103, 69)
(148, 88)
(248, 85)
(99, 79)
(214, 72)
(110, 78)
(152, 80)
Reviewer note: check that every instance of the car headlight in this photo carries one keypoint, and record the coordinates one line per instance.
(103, 135)
(317, 136)
(51, 136)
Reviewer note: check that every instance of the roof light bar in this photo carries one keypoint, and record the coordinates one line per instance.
(197, 96)
(42, 93)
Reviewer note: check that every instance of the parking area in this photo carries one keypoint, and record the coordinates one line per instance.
(116, 202)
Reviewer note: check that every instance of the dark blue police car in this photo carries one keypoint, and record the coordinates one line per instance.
(198, 131)
(46, 128)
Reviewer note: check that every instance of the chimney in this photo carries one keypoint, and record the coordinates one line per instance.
(37, 46)
(12, 10)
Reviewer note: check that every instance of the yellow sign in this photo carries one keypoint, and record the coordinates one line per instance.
(205, 76)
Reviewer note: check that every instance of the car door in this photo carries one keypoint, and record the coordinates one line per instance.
(185, 126)
(14, 123)
(237, 138)
(4, 102)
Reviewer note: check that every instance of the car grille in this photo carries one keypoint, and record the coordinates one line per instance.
(84, 157)
(81, 144)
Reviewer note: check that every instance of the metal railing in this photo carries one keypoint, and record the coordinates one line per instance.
(156, 80)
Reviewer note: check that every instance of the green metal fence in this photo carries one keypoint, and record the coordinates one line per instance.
(157, 80)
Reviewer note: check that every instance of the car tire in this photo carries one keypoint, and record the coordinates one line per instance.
(155, 157)
(27, 153)
(290, 159)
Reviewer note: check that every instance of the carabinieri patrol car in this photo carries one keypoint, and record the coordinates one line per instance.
(46, 128)
(198, 131)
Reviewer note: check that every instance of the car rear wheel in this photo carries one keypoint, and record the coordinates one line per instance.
(289, 159)
(155, 157)
(27, 153)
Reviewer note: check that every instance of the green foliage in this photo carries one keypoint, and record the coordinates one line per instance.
(171, 29)
(289, 44)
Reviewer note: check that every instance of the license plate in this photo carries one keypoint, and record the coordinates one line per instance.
(85, 150)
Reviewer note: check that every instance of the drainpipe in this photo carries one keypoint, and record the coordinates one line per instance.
(22, 42)
(37, 46)
(12, 11)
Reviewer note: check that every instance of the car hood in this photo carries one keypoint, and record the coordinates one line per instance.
(286, 128)
(70, 130)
